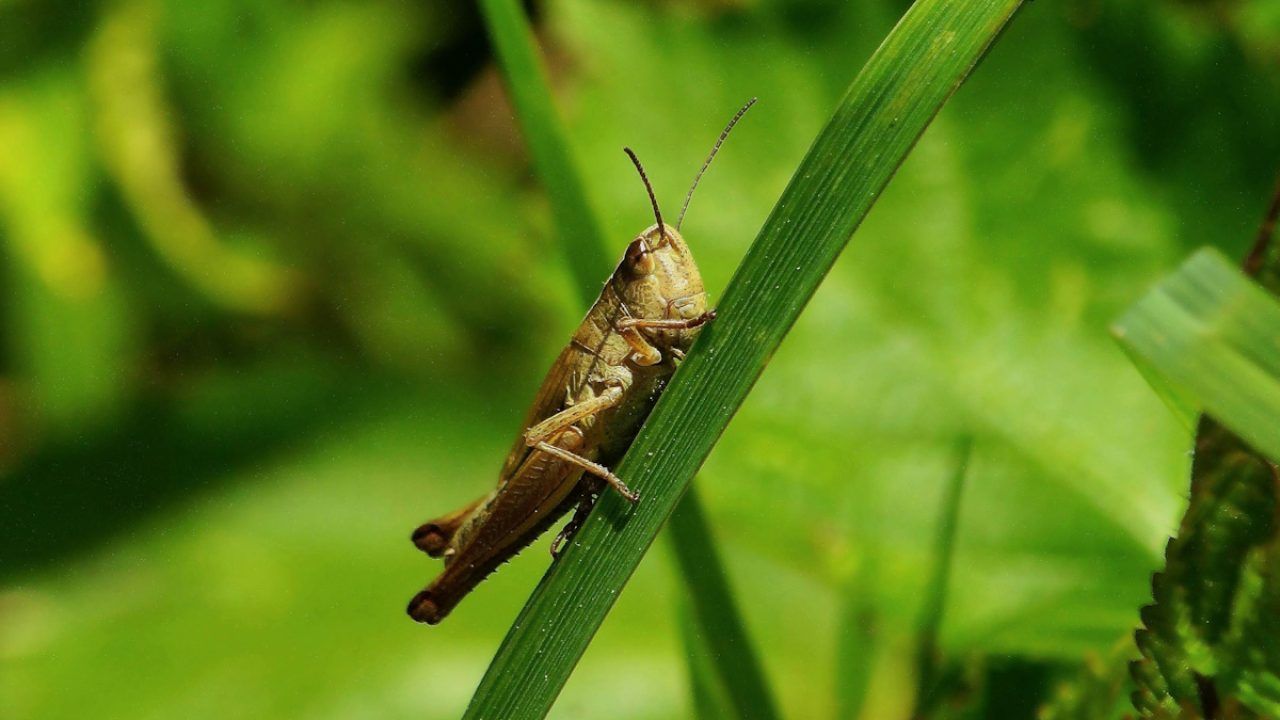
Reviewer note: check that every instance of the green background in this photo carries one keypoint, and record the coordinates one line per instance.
(277, 282)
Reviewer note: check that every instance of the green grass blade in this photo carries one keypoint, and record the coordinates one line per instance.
(928, 656)
(579, 231)
(708, 695)
(889, 104)
(736, 665)
(1211, 331)
(856, 639)
(732, 660)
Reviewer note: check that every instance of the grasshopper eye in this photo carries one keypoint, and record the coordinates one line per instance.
(640, 257)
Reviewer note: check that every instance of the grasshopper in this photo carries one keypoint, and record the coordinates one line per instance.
(586, 413)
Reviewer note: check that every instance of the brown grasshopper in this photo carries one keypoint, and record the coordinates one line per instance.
(586, 414)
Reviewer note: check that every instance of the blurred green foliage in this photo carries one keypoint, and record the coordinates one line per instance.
(278, 282)
(1209, 642)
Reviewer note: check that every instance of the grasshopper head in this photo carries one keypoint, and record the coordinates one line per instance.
(662, 259)
(662, 253)
(663, 282)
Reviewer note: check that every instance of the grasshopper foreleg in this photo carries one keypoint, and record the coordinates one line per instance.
(667, 323)
(643, 351)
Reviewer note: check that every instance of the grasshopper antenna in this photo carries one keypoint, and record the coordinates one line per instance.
(707, 163)
(657, 214)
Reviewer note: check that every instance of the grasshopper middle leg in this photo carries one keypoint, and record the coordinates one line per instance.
(594, 468)
(537, 437)
(586, 501)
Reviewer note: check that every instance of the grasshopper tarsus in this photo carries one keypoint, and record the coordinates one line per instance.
(619, 486)
(627, 493)
(559, 542)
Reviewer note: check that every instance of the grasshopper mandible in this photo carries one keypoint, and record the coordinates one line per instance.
(586, 414)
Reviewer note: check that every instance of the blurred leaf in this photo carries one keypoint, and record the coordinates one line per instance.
(66, 324)
(731, 659)
(888, 105)
(1096, 692)
(1181, 402)
(1210, 643)
(1210, 330)
(710, 696)
(856, 639)
(1176, 133)
(80, 492)
(138, 143)
(930, 676)
(576, 227)
(313, 133)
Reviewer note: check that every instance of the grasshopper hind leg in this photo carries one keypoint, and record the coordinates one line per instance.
(466, 569)
(433, 537)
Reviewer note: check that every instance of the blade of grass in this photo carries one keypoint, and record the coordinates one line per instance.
(731, 658)
(856, 641)
(928, 678)
(579, 229)
(716, 614)
(709, 696)
(889, 104)
(860, 633)
(1210, 330)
